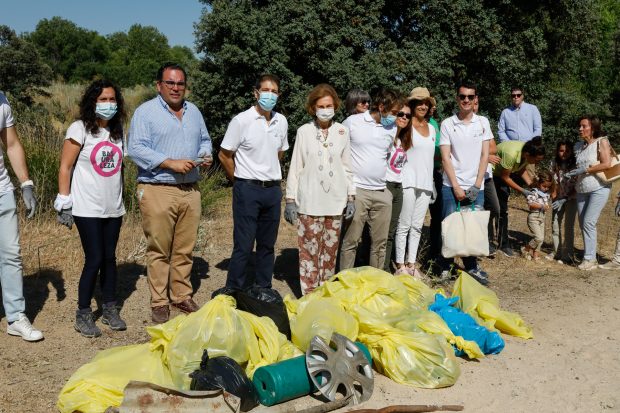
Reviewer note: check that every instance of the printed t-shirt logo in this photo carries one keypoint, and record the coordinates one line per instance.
(106, 159)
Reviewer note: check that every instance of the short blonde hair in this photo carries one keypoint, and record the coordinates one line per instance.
(318, 92)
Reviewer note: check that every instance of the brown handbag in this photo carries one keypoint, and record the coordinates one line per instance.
(613, 172)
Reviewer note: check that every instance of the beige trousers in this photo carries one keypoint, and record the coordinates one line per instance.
(374, 208)
(536, 224)
(170, 218)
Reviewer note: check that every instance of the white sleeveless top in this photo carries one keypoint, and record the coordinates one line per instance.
(587, 155)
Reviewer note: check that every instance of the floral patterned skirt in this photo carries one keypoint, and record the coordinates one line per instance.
(318, 239)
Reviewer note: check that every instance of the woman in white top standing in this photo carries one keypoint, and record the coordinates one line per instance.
(417, 177)
(393, 177)
(593, 155)
(90, 193)
(319, 187)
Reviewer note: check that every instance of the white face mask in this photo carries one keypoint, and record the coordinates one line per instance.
(325, 115)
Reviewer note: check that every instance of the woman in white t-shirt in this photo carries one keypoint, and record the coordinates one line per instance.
(417, 177)
(593, 155)
(90, 193)
(393, 177)
(319, 187)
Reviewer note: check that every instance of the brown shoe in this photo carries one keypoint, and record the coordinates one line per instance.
(187, 306)
(160, 314)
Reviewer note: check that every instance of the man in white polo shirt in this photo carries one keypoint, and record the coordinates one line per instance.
(464, 145)
(250, 154)
(372, 135)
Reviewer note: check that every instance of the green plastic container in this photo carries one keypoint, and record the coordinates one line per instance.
(287, 380)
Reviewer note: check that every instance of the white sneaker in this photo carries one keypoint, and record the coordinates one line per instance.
(23, 328)
(611, 265)
(588, 265)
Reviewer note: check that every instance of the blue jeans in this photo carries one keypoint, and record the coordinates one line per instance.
(449, 205)
(256, 217)
(10, 259)
(590, 206)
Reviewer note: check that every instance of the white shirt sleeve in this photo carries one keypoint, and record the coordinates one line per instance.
(76, 132)
(488, 134)
(444, 138)
(6, 113)
(296, 166)
(284, 145)
(232, 138)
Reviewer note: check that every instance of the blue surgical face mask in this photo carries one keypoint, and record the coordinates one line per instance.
(267, 100)
(388, 120)
(105, 110)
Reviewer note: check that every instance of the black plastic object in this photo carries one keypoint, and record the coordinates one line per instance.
(225, 373)
(265, 302)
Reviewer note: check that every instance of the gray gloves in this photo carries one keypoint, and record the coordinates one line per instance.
(290, 213)
(558, 203)
(29, 199)
(350, 210)
(65, 217)
(577, 171)
(472, 193)
(526, 192)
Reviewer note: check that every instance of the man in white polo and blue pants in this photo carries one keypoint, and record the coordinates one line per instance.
(250, 153)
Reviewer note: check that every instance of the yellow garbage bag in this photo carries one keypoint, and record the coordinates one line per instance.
(430, 322)
(222, 330)
(322, 317)
(420, 295)
(483, 305)
(99, 384)
(408, 357)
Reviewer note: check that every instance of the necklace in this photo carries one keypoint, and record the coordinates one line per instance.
(321, 137)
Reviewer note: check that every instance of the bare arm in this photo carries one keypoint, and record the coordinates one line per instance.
(604, 156)
(227, 159)
(484, 161)
(70, 152)
(449, 170)
(15, 152)
(508, 180)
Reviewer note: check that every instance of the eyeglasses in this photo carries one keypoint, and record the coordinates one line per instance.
(170, 84)
(364, 102)
(401, 114)
(516, 95)
(470, 97)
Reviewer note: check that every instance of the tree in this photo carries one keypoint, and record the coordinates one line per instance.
(405, 43)
(22, 72)
(74, 53)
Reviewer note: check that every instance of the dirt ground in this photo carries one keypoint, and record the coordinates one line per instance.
(571, 364)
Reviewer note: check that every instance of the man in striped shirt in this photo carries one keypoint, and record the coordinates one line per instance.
(168, 140)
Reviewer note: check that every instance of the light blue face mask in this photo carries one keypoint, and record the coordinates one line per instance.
(388, 120)
(105, 110)
(267, 100)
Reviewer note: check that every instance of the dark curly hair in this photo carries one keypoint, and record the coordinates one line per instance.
(89, 102)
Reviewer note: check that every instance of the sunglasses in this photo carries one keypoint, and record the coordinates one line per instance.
(401, 114)
(516, 95)
(364, 102)
(470, 97)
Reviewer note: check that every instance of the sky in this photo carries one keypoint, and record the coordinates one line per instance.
(175, 19)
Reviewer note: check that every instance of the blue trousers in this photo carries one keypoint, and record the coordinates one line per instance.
(256, 216)
(449, 206)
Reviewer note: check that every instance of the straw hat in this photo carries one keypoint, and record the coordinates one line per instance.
(419, 93)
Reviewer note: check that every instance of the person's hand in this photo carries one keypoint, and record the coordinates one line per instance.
(181, 166)
(204, 161)
(459, 194)
(526, 192)
(350, 210)
(575, 172)
(29, 200)
(472, 193)
(494, 159)
(558, 203)
(65, 217)
(618, 208)
(290, 213)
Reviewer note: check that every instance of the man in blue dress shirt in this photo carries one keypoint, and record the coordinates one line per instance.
(168, 140)
(520, 121)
